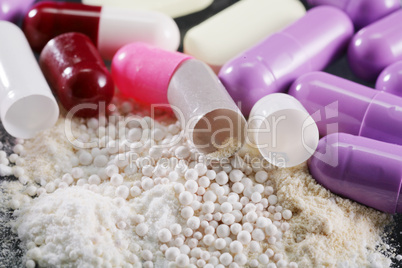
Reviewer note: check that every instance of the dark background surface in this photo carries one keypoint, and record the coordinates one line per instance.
(10, 254)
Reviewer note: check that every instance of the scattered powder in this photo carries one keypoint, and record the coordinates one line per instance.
(49, 154)
(327, 230)
(95, 207)
(10, 251)
(72, 227)
(229, 147)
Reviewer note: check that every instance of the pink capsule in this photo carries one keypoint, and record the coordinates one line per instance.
(190, 87)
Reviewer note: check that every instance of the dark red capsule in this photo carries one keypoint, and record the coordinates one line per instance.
(49, 19)
(76, 73)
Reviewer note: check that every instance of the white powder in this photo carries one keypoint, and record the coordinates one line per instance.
(73, 227)
(160, 208)
(49, 154)
(67, 217)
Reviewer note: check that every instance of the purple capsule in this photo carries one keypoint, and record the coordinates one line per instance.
(339, 105)
(362, 12)
(376, 46)
(13, 10)
(362, 169)
(307, 45)
(390, 80)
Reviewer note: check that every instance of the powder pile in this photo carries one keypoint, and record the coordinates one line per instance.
(138, 195)
(328, 230)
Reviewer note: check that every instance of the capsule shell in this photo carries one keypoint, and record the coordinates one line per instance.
(309, 44)
(27, 105)
(340, 105)
(109, 28)
(376, 46)
(76, 73)
(365, 170)
(390, 80)
(245, 23)
(188, 86)
(143, 72)
(173, 8)
(13, 10)
(362, 12)
(282, 130)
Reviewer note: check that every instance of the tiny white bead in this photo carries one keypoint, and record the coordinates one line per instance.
(116, 179)
(191, 186)
(191, 174)
(164, 235)
(271, 230)
(258, 235)
(253, 263)
(172, 253)
(261, 176)
(256, 197)
(277, 216)
(272, 199)
(182, 152)
(222, 178)
(287, 214)
(141, 229)
(293, 265)
(220, 243)
(244, 237)
(187, 212)
(236, 247)
(255, 247)
(94, 179)
(223, 231)
(226, 259)
(193, 223)
(135, 191)
(186, 198)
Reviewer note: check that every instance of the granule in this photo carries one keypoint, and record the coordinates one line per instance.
(94, 214)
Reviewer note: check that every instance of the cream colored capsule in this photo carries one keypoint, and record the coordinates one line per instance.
(173, 8)
(239, 27)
